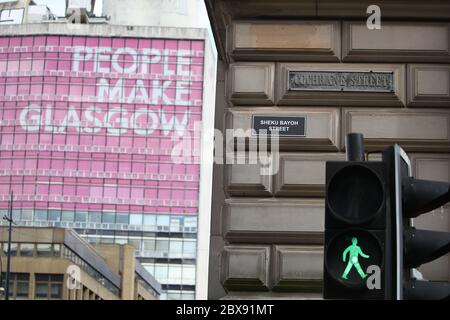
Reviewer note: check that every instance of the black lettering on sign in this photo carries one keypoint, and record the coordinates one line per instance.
(341, 81)
(290, 126)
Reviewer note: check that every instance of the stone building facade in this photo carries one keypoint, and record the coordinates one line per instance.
(267, 230)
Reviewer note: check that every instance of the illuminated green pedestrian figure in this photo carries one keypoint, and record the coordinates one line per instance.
(354, 251)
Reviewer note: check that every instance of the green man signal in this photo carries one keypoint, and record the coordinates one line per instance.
(354, 251)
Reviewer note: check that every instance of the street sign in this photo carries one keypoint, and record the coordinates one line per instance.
(287, 126)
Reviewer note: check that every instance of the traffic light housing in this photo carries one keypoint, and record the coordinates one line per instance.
(356, 225)
(368, 211)
(410, 198)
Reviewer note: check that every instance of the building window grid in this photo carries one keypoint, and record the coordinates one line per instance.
(159, 222)
(19, 284)
(49, 286)
(55, 182)
(59, 183)
(145, 245)
(163, 271)
(32, 249)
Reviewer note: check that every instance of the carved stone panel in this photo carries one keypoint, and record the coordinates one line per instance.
(298, 268)
(284, 40)
(245, 267)
(396, 42)
(341, 84)
(416, 130)
(428, 85)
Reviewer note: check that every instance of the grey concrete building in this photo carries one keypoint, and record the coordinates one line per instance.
(266, 230)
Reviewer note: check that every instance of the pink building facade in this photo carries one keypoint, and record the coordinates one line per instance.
(104, 134)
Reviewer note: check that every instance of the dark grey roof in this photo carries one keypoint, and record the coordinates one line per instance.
(147, 277)
(90, 256)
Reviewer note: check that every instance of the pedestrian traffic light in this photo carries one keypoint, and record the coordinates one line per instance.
(369, 206)
(410, 198)
(356, 226)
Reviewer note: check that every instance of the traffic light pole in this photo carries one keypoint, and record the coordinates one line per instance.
(355, 147)
(8, 257)
(1, 272)
(398, 226)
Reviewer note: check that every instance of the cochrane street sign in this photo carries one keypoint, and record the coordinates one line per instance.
(367, 81)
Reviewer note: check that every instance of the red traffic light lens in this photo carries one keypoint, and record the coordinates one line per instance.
(355, 195)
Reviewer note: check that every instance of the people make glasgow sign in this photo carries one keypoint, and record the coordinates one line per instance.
(367, 81)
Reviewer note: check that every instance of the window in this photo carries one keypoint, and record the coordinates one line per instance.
(161, 272)
(27, 215)
(81, 216)
(162, 245)
(187, 295)
(149, 220)
(121, 240)
(108, 217)
(18, 285)
(67, 216)
(95, 216)
(174, 273)
(188, 274)
(56, 290)
(40, 215)
(122, 218)
(136, 219)
(41, 291)
(176, 246)
(163, 221)
(22, 285)
(106, 240)
(54, 215)
(173, 295)
(148, 245)
(15, 215)
(44, 250)
(176, 224)
(56, 250)
(189, 247)
(48, 286)
(191, 223)
(93, 240)
(14, 248)
(27, 249)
